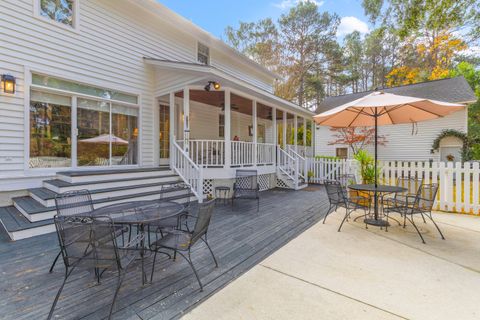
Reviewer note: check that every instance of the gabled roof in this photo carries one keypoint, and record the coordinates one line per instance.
(225, 78)
(454, 90)
(181, 23)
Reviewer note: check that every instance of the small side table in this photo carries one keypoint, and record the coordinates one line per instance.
(222, 193)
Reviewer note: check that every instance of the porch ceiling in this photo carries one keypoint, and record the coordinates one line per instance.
(210, 73)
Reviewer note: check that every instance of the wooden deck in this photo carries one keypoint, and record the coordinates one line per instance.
(240, 239)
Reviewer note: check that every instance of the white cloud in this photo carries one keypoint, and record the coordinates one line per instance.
(287, 4)
(350, 24)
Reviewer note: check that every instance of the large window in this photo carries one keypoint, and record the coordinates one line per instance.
(61, 11)
(50, 130)
(106, 131)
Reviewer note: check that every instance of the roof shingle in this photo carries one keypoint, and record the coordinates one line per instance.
(455, 90)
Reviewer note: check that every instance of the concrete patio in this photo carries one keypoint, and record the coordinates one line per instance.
(361, 274)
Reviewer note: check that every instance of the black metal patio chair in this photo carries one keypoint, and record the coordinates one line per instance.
(337, 198)
(354, 196)
(419, 204)
(398, 201)
(182, 241)
(71, 203)
(90, 243)
(246, 186)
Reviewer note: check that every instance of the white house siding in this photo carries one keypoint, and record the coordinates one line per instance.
(106, 50)
(401, 145)
(204, 123)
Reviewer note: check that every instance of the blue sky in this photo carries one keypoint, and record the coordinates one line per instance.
(214, 16)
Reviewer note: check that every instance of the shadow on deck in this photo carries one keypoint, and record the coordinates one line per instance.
(240, 239)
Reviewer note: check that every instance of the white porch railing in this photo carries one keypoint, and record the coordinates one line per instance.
(242, 153)
(265, 153)
(190, 172)
(287, 164)
(208, 153)
(302, 164)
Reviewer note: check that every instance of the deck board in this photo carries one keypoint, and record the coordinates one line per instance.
(240, 239)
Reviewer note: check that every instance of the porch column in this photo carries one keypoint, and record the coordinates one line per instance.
(284, 129)
(186, 120)
(228, 125)
(274, 124)
(295, 128)
(254, 116)
(305, 135)
(171, 111)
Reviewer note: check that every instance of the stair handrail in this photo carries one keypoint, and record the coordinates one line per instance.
(187, 169)
(302, 163)
(286, 161)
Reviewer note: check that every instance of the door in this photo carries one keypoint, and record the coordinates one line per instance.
(164, 133)
(453, 154)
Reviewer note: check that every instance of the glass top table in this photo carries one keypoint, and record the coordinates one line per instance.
(377, 218)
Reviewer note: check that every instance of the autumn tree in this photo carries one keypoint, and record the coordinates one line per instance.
(356, 138)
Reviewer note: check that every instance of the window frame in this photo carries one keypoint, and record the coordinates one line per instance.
(197, 53)
(30, 86)
(75, 18)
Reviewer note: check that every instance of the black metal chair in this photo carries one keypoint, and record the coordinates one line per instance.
(399, 199)
(246, 186)
(184, 192)
(354, 196)
(338, 198)
(182, 241)
(422, 204)
(72, 203)
(89, 243)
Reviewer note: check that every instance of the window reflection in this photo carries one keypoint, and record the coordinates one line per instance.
(50, 131)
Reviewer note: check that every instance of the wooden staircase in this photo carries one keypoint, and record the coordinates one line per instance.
(33, 214)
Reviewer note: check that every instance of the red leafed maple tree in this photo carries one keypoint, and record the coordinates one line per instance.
(356, 138)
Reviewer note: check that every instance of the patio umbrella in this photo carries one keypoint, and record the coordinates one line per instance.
(380, 108)
(105, 139)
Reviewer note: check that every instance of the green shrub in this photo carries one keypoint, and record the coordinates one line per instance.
(326, 158)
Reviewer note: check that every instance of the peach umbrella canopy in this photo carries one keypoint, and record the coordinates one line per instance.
(387, 108)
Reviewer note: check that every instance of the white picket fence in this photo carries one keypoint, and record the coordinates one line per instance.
(320, 170)
(459, 183)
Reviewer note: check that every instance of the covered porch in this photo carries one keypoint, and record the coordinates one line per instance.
(223, 124)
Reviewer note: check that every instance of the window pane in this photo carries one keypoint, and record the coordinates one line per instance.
(124, 135)
(58, 10)
(164, 131)
(93, 140)
(51, 82)
(50, 132)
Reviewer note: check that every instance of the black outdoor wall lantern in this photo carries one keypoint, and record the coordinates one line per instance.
(213, 84)
(8, 84)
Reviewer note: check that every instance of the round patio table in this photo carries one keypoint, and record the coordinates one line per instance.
(377, 218)
(140, 214)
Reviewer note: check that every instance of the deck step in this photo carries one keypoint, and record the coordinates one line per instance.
(46, 197)
(100, 175)
(34, 211)
(60, 186)
(19, 227)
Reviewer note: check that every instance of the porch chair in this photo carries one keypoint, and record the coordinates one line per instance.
(246, 186)
(421, 203)
(71, 203)
(338, 198)
(89, 243)
(182, 241)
